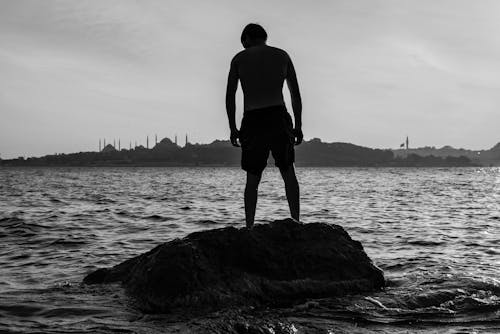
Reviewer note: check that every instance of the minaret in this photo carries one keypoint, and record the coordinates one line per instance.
(99, 144)
(114, 143)
(119, 148)
(104, 142)
(175, 139)
(135, 144)
(186, 139)
(156, 139)
(130, 146)
(407, 142)
(147, 142)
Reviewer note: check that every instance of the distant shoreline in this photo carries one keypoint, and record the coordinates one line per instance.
(220, 153)
(222, 166)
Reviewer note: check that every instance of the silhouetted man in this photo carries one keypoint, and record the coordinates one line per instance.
(266, 124)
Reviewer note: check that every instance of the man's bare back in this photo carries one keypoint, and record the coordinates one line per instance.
(262, 70)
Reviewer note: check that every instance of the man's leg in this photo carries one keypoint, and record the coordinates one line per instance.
(292, 190)
(251, 188)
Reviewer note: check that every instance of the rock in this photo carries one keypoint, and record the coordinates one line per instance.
(272, 264)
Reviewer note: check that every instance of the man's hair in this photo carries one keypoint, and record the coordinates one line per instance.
(254, 31)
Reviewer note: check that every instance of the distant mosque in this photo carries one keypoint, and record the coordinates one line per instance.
(112, 147)
(108, 148)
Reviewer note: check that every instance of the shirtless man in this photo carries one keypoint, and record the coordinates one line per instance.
(266, 125)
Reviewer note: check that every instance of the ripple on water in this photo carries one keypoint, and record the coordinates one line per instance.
(157, 218)
(14, 226)
(68, 243)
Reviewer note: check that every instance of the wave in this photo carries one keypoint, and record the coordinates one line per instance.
(425, 243)
(68, 243)
(57, 201)
(65, 312)
(205, 223)
(452, 299)
(124, 213)
(157, 218)
(20, 310)
(19, 227)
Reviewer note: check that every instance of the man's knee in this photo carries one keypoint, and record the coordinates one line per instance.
(253, 180)
(288, 173)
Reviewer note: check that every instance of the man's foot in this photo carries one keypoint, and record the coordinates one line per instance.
(248, 227)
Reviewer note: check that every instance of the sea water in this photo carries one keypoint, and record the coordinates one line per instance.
(434, 231)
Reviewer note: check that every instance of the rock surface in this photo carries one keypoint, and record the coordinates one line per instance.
(271, 264)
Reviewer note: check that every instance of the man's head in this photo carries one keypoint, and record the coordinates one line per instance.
(253, 34)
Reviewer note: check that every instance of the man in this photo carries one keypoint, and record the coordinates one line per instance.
(266, 124)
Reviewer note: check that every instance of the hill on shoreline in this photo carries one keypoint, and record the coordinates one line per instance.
(314, 153)
(489, 157)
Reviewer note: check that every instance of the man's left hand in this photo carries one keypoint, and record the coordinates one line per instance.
(235, 134)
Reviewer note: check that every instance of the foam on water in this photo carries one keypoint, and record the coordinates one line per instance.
(433, 231)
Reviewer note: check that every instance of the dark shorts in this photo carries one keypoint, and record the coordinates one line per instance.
(266, 130)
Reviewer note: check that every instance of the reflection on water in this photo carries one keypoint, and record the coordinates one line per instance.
(435, 232)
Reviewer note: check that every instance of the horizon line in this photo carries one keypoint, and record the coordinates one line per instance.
(227, 140)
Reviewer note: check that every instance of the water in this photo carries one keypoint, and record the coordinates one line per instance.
(435, 233)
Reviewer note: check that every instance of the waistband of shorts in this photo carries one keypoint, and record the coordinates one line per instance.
(266, 111)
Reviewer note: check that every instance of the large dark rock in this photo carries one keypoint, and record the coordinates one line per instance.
(273, 263)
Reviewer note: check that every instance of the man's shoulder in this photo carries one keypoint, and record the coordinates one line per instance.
(280, 54)
(278, 50)
(268, 49)
(238, 56)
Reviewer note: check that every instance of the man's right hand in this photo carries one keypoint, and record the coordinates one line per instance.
(235, 134)
(299, 136)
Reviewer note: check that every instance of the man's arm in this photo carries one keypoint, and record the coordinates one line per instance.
(232, 86)
(293, 87)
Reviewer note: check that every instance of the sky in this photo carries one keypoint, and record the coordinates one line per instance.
(371, 72)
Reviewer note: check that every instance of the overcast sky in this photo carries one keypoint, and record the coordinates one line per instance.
(371, 72)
